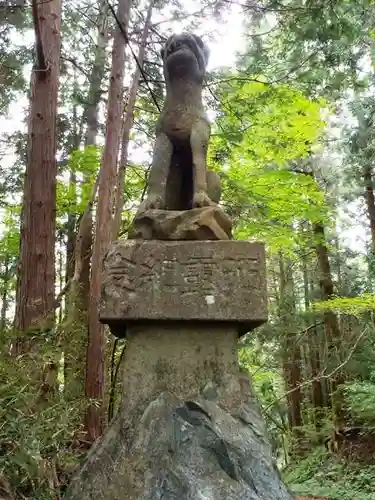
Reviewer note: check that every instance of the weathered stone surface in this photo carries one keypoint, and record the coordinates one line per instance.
(189, 426)
(182, 450)
(178, 177)
(179, 358)
(207, 223)
(211, 281)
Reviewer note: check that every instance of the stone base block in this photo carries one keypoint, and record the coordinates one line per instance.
(210, 281)
(206, 223)
(180, 358)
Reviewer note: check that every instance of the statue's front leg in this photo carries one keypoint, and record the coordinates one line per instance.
(199, 137)
(157, 180)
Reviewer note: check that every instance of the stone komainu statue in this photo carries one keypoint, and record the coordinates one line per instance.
(178, 178)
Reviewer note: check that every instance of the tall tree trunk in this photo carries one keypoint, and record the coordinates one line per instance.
(313, 341)
(318, 387)
(370, 202)
(331, 325)
(104, 228)
(36, 294)
(69, 339)
(72, 217)
(96, 77)
(362, 143)
(128, 124)
(61, 270)
(78, 297)
(77, 321)
(4, 295)
(71, 232)
(291, 352)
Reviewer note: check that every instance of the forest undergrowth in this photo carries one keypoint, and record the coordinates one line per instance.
(321, 475)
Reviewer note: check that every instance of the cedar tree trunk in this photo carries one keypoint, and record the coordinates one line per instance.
(104, 228)
(291, 351)
(331, 325)
(127, 126)
(36, 287)
(78, 297)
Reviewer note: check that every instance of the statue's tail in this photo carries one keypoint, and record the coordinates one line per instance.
(213, 186)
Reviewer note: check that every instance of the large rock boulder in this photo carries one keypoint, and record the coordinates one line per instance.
(183, 450)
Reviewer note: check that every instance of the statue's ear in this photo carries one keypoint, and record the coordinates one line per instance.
(167, 43)
(203, 47)
(206, 53)
(199, 40)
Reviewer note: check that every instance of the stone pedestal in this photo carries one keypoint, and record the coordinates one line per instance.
(184, 281)
(189, 426)
(177, 357)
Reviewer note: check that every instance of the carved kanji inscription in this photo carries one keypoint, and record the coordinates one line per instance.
(185, 280)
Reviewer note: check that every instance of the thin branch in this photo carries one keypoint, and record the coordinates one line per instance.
(82, 228)
(111, 402)
(79, 242)
(257, 7)
(321, 375)
(62, 293)
(139, 66)
(75, 64)
(306, 331)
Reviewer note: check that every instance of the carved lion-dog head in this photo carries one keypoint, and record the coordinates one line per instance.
(185, 55)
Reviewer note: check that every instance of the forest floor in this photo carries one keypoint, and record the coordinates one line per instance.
(326, 476)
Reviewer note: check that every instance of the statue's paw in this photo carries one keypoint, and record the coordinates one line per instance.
(152, 203)
(201, 199)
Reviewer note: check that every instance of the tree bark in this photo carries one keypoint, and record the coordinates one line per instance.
(78, 296)
(370, 202)
(96, 77)
(313, 341)
(4, 295)
(331, 325)
(291, 352)
(36, 293)
(78, 318)
(128, 124)
(104, 228)
(72, 217)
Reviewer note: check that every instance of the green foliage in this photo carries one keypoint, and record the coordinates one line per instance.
(13, 56)
(305, 469)
(10, 238)
(360, 397)
(269, 387)
(134, 185)
(9, 250)
(267, 383)
(72, 197)
(275, 123)
(262, 131)
(353, 306)
(319, 475)
(34, 437)
(316, 45)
